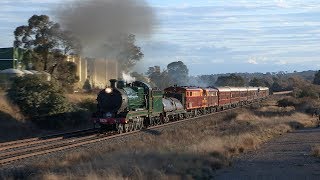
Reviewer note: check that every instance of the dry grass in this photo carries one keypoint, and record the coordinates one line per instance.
(315, 150)
(187, 151)
(12, 123)
(7, 108)
(80, 97)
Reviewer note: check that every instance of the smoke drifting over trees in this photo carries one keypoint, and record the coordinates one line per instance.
(105, 27)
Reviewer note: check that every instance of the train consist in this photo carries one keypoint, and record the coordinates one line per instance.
(128, 107)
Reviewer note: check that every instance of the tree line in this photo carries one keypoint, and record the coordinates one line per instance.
(304, 84)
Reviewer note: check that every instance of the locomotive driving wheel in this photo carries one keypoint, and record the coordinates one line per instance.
(159, 120)
(139, 123)
(187, 115)
(166, 119)
(126, 127)
(120, 128)
(132, 126)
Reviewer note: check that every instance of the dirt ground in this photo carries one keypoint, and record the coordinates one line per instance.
(287, 157)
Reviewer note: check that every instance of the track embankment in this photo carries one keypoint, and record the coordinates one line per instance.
(287, 157)
(22, 149)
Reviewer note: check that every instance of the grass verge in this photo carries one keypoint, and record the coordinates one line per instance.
(315, 150)
(188, 151)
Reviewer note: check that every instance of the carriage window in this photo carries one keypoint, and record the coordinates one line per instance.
(190, 93)
(187, 93)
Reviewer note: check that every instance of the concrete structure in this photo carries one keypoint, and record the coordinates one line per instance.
(6, 75)
(100, 71)
(11, 58)
(81, 63)
(97, 70)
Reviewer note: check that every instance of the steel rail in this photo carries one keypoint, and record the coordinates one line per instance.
(43, 139)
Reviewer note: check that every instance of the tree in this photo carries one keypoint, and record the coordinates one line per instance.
(178, 73)
(231, 80)
(317, 78)
(123, 49)
(66, 74)
(258, 82)
(159, 79)
(139, 77)
(37, 97)
(130, 54)
(46, 42)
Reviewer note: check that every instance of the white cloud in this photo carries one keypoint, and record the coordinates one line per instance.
(282, 3)
(264, 33)
(281, 62)
(252, 60)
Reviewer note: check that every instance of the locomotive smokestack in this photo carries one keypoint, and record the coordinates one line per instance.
(113, 83)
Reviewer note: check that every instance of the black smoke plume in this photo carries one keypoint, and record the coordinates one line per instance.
(100, 24)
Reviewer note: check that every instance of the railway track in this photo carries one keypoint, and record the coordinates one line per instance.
(43, 139)
(21, 149)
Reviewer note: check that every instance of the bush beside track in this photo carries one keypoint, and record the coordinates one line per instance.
(24, 107)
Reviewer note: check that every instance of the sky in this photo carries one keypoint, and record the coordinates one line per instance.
(212, 36)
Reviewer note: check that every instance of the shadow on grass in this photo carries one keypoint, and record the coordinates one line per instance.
(13, 129)
(63, 121)
(273, 113)
(296, 125)
(152, 132)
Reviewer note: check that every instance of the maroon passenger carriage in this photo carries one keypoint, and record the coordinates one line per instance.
(243, 95)
(211, 100)
(263, 92)
(198, 101)
(192, 98)
(252, 93)
(235, 96)
(224, 97)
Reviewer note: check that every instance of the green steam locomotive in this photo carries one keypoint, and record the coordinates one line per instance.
(127, 107)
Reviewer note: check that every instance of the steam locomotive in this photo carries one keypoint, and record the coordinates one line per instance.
(128, 107)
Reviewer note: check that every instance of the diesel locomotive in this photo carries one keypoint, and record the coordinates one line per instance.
(125, 107)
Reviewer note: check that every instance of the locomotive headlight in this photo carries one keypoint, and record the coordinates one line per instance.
(108, 90)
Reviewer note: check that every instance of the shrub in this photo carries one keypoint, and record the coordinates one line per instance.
(37, 97)
(308, 93)
(315, 150)
(87, 86)
(88, 104)
(286, 102)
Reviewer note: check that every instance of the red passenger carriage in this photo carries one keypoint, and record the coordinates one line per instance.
(252, 93)
(224, 97)
(211, 99)
(243, 95)
(192, 98)
(263, 92)
(235, 96)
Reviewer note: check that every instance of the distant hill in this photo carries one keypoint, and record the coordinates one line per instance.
(210, 80)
